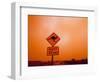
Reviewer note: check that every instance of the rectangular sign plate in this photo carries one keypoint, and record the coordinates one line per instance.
(52, 51)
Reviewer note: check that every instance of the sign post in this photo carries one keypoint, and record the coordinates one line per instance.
(53, 50)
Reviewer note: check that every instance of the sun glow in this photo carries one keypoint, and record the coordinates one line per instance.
(71, 30)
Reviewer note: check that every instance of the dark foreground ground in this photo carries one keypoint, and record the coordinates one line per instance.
(48, 63)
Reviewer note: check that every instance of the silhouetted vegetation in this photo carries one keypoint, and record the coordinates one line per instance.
(67, 62)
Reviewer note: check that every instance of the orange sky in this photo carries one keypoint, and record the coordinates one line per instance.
(71, 30)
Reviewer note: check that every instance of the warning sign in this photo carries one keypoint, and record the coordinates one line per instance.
(53, 39)
(53, 51)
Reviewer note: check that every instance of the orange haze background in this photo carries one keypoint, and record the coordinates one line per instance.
(71, 30)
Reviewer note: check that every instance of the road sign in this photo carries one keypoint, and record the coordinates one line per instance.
(53, 39)
(52, 51)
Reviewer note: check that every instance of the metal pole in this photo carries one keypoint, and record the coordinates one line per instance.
(52, 60)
